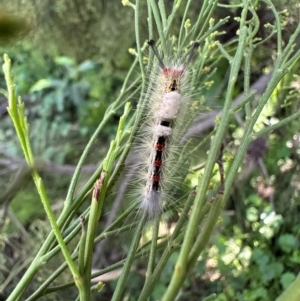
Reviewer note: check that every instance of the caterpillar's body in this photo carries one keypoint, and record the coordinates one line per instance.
(168, 106)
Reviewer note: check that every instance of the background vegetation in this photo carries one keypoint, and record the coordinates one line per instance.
(70, 60)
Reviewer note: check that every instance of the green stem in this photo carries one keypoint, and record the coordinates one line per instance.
(137, 37)
(130, 257)
(275, 126)
(154, 238)
(98, 198)
(206, 231)
(181, 265)
(17, 114)
(182, 23)
(43, 288)
(159, 25)
(96, 207)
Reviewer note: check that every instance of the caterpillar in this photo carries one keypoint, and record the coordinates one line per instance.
(168, 106)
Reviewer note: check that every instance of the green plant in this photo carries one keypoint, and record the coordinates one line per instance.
(196, 205)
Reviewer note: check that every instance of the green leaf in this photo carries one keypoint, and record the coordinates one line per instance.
(266, 231)
(255, 295)
(254, 199)
(260, 258)
(271, 271)
(252, 214)
(295, 256)
(267, 273)
(286, 279)
(86, 66)
(41, 85)
(287, 242)
(64, 61)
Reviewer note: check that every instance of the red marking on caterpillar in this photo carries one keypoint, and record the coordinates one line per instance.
(156, 179)
(168, 106)
(157, 162)
(172, 72)
(160, 146)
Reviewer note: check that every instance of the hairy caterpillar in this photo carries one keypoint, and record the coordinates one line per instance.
(168, 106)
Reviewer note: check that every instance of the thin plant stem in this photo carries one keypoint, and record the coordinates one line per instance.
(180, 268)
(17, 114)
(154, 238)
(130, 257)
